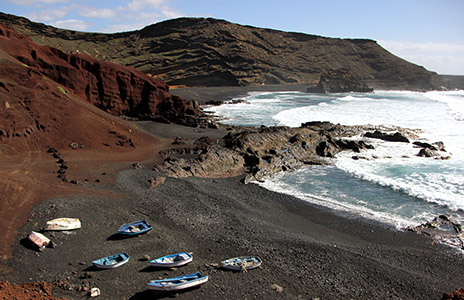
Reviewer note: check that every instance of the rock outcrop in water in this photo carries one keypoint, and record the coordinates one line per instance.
(211, 52)
(394, 137)
(339, 81)
(442, 228)
(261, 152)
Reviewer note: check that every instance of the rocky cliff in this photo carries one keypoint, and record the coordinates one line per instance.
(211, 52)
(45, 97)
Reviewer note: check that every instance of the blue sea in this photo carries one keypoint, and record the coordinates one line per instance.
(397, 188)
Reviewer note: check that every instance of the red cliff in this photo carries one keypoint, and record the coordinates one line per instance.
(44, 96)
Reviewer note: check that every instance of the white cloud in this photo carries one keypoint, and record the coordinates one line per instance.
(145, 12)
(443, 58)
(135, 14)
(32, 2)
(49, 15)
(72, 24)
(124, 27)
(170, 13)
(138, 5)
(91, 12)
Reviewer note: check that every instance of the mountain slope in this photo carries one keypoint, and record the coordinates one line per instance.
(210, 52)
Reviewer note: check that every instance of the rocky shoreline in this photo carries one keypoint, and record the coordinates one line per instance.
(265, 151)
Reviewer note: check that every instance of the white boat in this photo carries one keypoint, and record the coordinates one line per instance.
(40, 240)
(63, 224)
(242, 263)
(173, 260)
(178, 283)
(112, 261)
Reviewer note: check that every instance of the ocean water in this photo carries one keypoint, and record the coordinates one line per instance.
(397, 188)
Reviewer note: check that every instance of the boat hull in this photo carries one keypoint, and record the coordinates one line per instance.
(242, 263)
(170, 284)
(63, 224)
(171, 261)
(135, 228)
(38, 239)
(112, 261)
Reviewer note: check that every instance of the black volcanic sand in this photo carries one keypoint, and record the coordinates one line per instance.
(308, 252)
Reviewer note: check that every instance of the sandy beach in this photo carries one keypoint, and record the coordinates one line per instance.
(307, 252)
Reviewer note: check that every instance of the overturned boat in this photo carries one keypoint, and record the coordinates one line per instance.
(63, 224)
(178, 283)
(39, 240)
(173, 260)
(112, 261)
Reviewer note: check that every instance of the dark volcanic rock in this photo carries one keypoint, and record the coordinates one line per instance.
(426, 152)
(395, 137)
(456, 295)
(438, 146)
(261, 152)
(211, 52)
(339, 81)
(442, 228)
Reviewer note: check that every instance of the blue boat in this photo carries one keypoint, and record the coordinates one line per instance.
(112, 261)
(173, 260)
(178, 283)
(135, 228)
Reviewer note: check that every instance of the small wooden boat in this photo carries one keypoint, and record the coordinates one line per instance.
(173, 260)
(242, 263)
(63, 224)
(112, 261)
(178, 283)
(38, 239)
(135, 228)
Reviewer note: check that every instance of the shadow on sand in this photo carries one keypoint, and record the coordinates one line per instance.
(148, 294)
(152, 269)
(92, 268)
(26, 243)
(118, 237)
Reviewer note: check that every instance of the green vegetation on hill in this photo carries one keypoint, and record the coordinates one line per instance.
(211, 52)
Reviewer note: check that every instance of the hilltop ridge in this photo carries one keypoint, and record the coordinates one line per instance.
(212, 52)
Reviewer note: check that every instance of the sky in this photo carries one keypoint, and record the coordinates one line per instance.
(425, 32)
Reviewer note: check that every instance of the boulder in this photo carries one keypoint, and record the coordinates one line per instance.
(427, 152)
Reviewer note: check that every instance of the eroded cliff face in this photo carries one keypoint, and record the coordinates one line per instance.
(211, 52)
(115, 89)
(45, 96)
